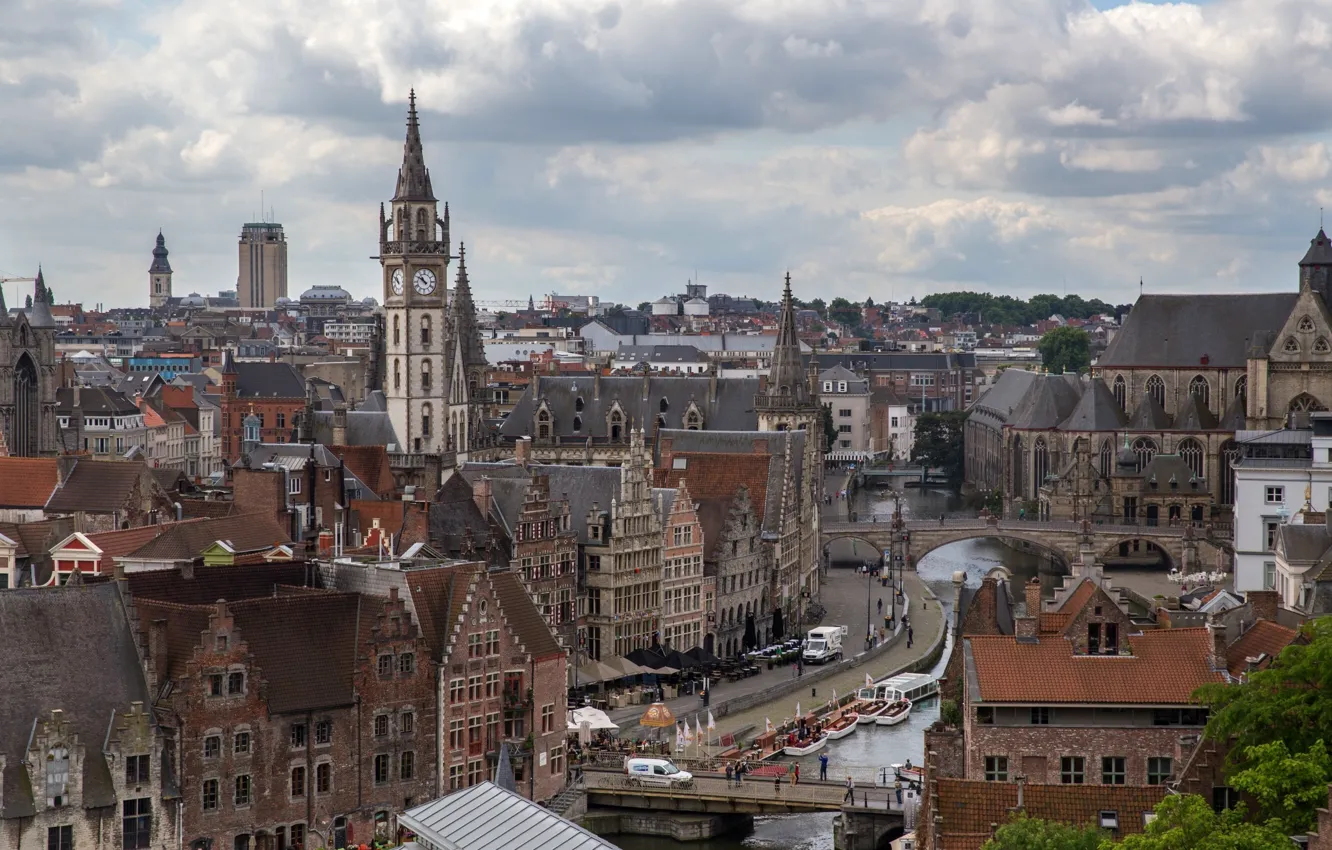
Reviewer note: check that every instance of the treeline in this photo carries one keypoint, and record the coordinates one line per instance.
(1006, 310)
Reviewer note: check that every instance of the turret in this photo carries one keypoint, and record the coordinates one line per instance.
(40, 315)
(1316, 267)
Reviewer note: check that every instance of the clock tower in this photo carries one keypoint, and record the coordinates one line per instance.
(414, 258)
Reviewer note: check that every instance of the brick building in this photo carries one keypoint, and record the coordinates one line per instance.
(81, 757)
(272, 391)
(294, 711)
(682, 571)
(304, 486)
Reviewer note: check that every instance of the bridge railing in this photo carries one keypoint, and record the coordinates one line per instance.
(756, 790)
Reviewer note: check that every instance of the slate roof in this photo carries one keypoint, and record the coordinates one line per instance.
(970, 808)
(1097, 410)
(27, 482)
(304, 644)
(1320, 251)
(1149, 415)
(1194, 416)
(1166, 667)
(457, 523)
(1235, 416)
(78, 655)
(184, 541)
(1166, 466)
(1048, 401)
(897, 360)
(1002, 398)
(1179, 330)
(487, 817)
(733, 409)
(100, 486)
(268, 380)
(209, 584)
(581, 485)
(1263, 638)
(294, 456)
(661, 354)
(1299, 542)
(364, 428)
(522, 616)
(95, 401)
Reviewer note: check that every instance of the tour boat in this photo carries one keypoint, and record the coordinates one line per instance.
(895, 713)
(810, 747)
(842, 726)
(870, 710)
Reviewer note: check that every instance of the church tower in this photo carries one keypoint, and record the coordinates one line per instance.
(414, 258)
(467, 413)
(28, 377)
(159, 275)
(1316, 267)
(788, 401)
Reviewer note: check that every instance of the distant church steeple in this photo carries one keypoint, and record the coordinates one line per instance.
(786, 383)
(159, 275)
(1316, 267)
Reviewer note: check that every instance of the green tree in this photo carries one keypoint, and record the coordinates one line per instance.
(1290, 701)
(643, 306)
(1024, 833)
(1288, 786)
(819, 306)
(1187, 822)
(1065, 349)
(28, 302)
(844, 312)
(939, 442)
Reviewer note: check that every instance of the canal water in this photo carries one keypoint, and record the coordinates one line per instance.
(872, 747)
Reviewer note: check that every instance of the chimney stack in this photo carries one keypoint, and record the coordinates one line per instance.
(481, 495)
(1025, 627)
(1216, 653)
(1263, 603)
(522, 451)
(1033, 594)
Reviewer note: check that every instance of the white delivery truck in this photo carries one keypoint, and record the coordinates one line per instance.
(824, 644)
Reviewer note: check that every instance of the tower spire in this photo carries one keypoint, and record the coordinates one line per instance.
(464, 315)
(40, 314)
(785, 382)
(413, 176)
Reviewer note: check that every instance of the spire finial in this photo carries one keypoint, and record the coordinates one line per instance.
(413, 177)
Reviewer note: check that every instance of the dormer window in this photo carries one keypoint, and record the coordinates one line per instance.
(57, 776)
(841, 386)
(578, 423)
(827, 386)
(664, 405)
(578, 405)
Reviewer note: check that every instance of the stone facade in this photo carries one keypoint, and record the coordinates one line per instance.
(28, 378)
(545, 554)
(743, 576)
(682, 573)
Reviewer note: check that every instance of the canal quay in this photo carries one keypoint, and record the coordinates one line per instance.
(845, 591)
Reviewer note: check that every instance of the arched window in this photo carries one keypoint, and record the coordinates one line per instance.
(1191, 451)
(693, 421)
(1040, 462)
(1229, 452)
(397, 330)
(1199, 389)
(1321, 346)
(425, 375)
(1242, 387)
(422, 224)
(1107, 458)
(1291, 346)
(1156, 389)
(425, 330)
(1145, 449)
(1121, 392)
(397, 374)
(577, 424)
(1306, 325)
(616, 426)
(578, 405)
(664, 405)
(25, 439)
(1016, 467)
(425, 420)
(1303, 403)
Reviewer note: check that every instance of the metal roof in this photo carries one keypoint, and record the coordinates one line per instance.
(486, 817)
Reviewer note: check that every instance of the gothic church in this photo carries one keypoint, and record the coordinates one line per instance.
(28, 379)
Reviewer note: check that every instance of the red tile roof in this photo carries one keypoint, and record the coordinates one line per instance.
(368, 463)
(1264, 638)
(27, 482)
(99, 486)
(1166, 667)
(438, 595)
(183, 541)
(116, 543)
(717, 476)
(522, 616)
(970, 809)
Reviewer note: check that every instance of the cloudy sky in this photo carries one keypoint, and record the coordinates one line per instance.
(880, 148)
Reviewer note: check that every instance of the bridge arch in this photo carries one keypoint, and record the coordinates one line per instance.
(922, 546)
(1130, 547)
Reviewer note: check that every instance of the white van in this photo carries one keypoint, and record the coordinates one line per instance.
(824, 644)
(645, 771)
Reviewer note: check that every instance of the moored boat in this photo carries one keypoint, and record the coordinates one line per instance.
(895, 713)
(841, 727)
(871, 710)
(810, 746)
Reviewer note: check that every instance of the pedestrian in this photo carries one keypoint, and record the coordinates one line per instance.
(898, 786)
(911, 636)
(880, 606)
(791, 773)
(739, 774)
(823, 767)
(850, 796)
(728, 774)
(796, 778)
(777, 783)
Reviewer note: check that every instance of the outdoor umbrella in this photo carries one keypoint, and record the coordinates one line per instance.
(627, 667)
(595, 718)
(647, 658)
(595, 671)
(698, 653)
(682, 660)
(658, 716)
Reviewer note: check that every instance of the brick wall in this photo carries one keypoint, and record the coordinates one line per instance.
(1321, 839)
(979, 619)
(1051, 743)
(262, 490)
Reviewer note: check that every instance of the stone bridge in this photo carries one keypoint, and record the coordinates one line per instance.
(712, 794)
(1185, 547)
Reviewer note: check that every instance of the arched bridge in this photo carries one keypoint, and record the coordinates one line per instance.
(1188, 548)
(713, 794)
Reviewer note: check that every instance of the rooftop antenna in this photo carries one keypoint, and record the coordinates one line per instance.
(261, 204)
(1139, 286)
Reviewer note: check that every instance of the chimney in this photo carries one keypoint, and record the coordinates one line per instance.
(1033, 591)
(712, 383)
(522, 451)
(1263, 603)
(340, 424)
(77, 396)
(1025, 627)
(157, 648)
(481, 495)
(1216, 653)
(596, 384)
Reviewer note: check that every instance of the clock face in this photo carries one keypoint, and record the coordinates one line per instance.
(424, 281)
(397, 281)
